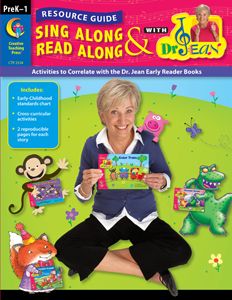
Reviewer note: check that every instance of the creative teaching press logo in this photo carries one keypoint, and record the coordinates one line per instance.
(14, 28)
(182, 43)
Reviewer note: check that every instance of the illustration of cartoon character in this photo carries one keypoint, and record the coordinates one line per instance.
(190, 200)
(29, 258)
(52, 190)
(107, 163)
(113, 174)
(124, 173)
(155, 124)
(34, 167)
(215, 209)
(18, 29)
(193, 201)
(192, 129)
(134, 173)
(183, 202)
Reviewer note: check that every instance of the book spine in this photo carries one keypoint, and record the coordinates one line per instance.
(30, 196)
(32, 200)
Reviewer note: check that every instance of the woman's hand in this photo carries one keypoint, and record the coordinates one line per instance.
(155, 181)
(197, 32)
(214, 32)
(213, 27)
(90, 177)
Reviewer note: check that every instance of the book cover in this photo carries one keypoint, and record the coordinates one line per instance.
(186, 200)
(55, 57)
(47, 278)
(48, 192)
(123, 171)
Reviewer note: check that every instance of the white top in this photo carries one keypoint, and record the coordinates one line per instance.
(109, 223)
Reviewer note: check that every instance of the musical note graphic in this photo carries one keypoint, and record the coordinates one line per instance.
(182, 38)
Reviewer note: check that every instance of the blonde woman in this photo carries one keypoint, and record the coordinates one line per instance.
(204, 31)
(122, 214)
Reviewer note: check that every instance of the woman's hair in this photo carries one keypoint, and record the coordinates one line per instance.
(115, 91)
(202, 7)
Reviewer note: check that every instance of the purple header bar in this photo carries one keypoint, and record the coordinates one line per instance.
(116, 71)
(79, 16)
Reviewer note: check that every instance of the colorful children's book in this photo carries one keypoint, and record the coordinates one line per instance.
(123, 171)
(47, 278)
(48, 192)
(186, 200)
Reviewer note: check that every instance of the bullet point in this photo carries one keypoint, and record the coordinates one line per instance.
(13, 129)
(13, 98)
(13, 113)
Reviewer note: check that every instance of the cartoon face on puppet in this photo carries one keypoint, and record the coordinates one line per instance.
(153, 123)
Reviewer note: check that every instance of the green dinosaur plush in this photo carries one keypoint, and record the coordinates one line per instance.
(215, 209)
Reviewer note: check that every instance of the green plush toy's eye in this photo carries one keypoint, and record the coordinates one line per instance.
(213, 169)
(205, 170)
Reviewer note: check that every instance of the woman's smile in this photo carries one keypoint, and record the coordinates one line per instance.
(121, 127)
(119, 119)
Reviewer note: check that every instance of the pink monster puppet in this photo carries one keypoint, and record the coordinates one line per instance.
(154, 124)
